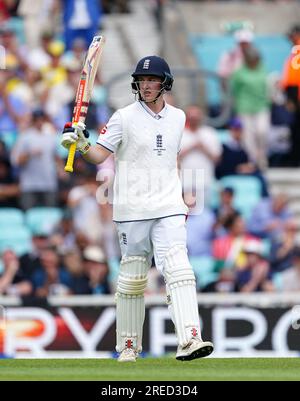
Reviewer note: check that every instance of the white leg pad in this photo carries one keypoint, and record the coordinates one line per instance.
(183, 303)
(131, 286)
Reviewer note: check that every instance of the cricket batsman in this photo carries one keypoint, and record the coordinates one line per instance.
(148, 209)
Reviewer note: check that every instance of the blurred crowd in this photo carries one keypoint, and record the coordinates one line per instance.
(232, 248)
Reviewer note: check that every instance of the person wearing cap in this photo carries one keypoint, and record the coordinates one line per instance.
(96, 270)
(148, 208)
(233, 59)
(254, 275)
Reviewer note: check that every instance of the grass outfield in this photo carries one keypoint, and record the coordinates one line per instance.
(160, 369)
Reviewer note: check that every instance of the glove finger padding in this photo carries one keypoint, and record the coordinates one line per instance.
(81, 128)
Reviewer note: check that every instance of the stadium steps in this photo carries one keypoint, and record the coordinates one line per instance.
(129, 37)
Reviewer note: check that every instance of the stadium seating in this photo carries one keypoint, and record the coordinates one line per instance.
(42, 220)
(11, 217)
(16, 238)
(247, 192)
(223, 135)
(9, 138)
(204, 270)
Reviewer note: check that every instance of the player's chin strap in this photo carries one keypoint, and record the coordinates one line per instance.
(140, 98)
(137, 92)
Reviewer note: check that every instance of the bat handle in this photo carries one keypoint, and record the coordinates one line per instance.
(71, 156)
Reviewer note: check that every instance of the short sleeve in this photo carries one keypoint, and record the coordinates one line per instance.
(110, 136)
(182, 127)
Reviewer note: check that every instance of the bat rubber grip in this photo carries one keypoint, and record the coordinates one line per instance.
(71, 156)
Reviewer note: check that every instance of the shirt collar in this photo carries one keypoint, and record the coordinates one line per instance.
(157, 116)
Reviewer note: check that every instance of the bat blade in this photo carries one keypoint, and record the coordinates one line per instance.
(85, 88)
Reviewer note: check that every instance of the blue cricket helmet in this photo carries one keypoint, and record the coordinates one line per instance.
(156, 66)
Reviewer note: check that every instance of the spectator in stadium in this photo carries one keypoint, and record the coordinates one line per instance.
(77, 52)
(224, 210)
(39, 57)
(13, 111)
(228, 249)
(30, 262)
(81, 19)
(200, 151)
(289, 280)
(51, 278)
(283, 248)
(233, 59)
(251, 103)
(282, 117)
(53, 76)
(9, 188)
(96, 270)
(85, 209)
(32, 12)
(13, 49)
(228, 252)
(63, 237)
(271, 217)
(35, 153)
(200, 232)
(254, 274)
(291, 86)
(64, 94)
(235, 159)
(12, 280)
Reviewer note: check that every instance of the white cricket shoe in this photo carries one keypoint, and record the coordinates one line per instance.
(128, 355)
(196, 348)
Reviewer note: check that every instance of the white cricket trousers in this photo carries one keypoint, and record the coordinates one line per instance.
(152, 237)
(256, 128)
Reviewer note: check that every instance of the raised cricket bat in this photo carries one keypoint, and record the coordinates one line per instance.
(84, 90)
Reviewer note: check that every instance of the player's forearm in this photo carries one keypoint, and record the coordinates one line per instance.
(96, 154)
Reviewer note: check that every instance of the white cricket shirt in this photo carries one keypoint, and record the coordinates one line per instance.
(147, 184)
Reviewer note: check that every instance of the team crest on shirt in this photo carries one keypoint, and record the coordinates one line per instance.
(159, 145)
(104, 129)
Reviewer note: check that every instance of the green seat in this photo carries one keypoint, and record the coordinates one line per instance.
(10, 216)
(223, 135)
(247, 190)
(16, 238)
(42, 220)
(203, 267)
(9, 138)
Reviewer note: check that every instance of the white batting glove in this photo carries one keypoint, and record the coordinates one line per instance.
(78, 134)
